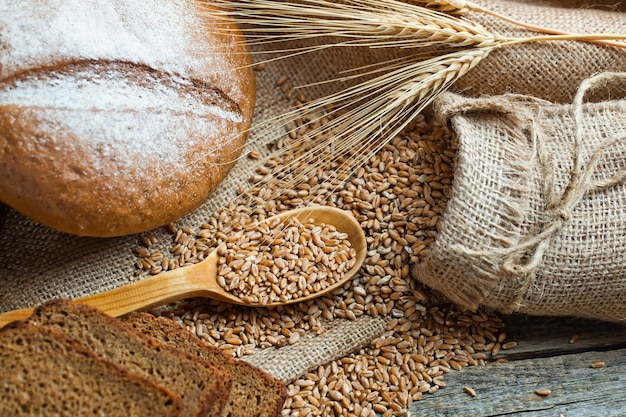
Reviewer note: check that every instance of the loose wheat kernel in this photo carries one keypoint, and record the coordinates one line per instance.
(509, 345)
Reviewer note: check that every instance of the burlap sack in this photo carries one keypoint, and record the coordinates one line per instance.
(38, 264)
(537, 218)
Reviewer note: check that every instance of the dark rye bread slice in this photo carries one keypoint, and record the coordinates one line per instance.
(45, 373)
(203, 386)
(255, 393)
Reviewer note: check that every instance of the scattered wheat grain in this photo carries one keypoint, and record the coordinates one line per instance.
(543, 392)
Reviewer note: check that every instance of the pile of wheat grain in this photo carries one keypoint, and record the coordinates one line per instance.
(398, 196)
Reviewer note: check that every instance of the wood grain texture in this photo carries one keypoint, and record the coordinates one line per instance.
(509, 389)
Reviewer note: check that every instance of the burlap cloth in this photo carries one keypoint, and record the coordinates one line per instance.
(38, 264)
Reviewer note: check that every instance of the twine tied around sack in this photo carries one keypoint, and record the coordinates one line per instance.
(521, 260)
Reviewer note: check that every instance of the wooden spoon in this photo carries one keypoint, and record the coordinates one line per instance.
(200, 280)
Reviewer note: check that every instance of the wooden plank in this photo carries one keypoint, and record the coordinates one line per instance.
(509, 388)
(549, 336)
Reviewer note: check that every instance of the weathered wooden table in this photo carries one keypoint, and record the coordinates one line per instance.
(554, 354)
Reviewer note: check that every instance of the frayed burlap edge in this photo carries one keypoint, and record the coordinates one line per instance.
(340, 338)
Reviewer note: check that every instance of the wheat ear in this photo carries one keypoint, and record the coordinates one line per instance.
(380, 23)
(463, 7)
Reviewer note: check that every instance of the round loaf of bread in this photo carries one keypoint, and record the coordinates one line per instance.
(121, 116)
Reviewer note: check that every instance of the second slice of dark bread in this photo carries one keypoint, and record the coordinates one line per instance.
(255, 393)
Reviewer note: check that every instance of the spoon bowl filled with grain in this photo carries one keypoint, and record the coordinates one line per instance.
(292, 257)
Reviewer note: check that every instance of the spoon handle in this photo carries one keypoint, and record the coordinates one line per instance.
(141, 295)
(151, 292)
